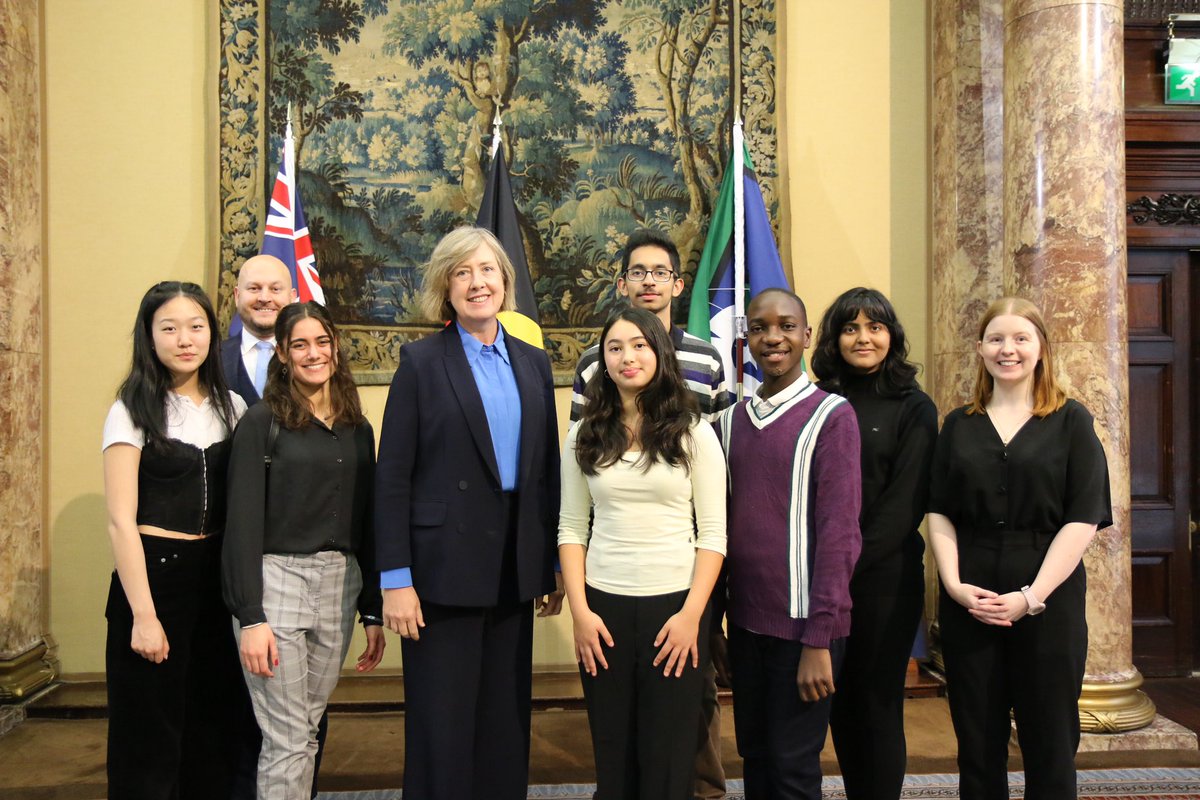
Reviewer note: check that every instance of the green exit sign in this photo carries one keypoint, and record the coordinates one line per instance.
(1181, 84)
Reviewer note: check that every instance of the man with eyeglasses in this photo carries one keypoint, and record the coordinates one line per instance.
(650, 279)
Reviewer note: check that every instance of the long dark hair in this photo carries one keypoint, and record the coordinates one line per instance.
(667, 407)
(281, 395)
(144, 390)
(897, 375)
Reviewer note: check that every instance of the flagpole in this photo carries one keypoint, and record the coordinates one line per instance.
(739, 205)
(289, 157)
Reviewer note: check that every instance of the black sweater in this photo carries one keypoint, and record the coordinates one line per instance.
(898, 436)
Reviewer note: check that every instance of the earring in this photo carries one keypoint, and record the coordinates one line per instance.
(283, 370)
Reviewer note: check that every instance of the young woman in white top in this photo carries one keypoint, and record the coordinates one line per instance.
(651, 476)
(178, 708)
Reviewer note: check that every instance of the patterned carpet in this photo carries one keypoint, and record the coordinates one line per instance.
(1111, 784)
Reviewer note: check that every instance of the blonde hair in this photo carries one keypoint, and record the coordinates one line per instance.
(1048, 397)
(456, 247)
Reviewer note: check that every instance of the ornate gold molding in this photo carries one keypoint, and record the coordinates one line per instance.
(1114, 707)
(25, 674)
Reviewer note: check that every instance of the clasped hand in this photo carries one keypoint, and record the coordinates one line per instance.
(987, 606)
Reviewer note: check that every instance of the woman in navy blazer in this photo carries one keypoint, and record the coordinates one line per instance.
(466, 519)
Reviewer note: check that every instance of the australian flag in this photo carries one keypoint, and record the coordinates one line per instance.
(285, 235)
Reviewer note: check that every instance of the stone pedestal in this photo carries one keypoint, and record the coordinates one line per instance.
(26, 657)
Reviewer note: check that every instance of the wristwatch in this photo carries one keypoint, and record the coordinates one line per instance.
(1035, 606)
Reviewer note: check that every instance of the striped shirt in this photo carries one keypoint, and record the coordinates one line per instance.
(698, 361)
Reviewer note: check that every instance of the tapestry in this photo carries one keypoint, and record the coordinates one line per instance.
(616, 115)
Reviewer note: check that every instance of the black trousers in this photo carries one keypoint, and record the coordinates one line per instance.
(867, 720)
(643, 723)
(779, 736)
(1035, 668)
(176, 729)
(467, 688)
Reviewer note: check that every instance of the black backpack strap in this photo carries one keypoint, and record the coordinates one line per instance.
(272, 435)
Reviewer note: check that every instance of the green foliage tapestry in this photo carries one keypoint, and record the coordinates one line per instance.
(616, 116)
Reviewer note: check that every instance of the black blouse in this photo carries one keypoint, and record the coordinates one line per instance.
(1051, 473)
(316, 497)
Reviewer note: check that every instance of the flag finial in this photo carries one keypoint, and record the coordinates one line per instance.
(497, 124)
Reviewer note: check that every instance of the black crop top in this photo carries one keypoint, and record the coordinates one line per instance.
(182, 487)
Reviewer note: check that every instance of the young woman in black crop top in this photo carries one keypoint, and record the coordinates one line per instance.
(177, 704)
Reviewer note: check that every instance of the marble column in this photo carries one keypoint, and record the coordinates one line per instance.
(1064, 193)
(968, 196)
(968, 163)
(26, 653)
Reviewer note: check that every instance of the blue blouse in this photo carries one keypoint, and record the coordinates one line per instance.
(493, 373)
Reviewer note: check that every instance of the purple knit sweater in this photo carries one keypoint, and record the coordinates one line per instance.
(772, 557)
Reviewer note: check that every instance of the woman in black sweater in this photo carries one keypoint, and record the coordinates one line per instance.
(862, 355)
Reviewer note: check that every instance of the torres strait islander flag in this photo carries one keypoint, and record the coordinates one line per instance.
(285, 234)
(740, 260)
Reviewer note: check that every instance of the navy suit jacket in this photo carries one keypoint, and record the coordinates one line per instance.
(439, 506)
(235, 370)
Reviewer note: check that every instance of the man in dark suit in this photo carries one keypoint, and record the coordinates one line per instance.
(264, 287)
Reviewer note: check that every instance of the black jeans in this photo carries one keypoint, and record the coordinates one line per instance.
(176, 730)
(779, 736)
(867, 720)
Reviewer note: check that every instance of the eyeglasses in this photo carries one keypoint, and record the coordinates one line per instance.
(637, 274)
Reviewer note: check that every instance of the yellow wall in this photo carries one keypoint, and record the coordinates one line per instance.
(854, 130)
(129, 195)
(131, 198)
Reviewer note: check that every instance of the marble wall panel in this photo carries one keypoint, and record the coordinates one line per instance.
(20, 204)
(19, 27)
(22, 574)
(21, 571)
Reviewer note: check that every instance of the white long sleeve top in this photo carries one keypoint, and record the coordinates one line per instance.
(647, 523)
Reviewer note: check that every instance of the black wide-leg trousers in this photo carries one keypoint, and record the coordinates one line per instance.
(467, 687)
(1035, 668)
(178, 729)
(643, 723)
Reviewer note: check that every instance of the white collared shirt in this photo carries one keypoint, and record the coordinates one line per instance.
(197, 425)
(765, 405)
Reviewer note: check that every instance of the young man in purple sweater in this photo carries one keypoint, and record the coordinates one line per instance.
(795, 492)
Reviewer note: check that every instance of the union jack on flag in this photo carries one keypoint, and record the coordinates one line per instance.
(285, 234)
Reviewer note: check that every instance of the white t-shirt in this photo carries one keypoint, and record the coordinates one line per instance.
(198, 425)
(643, 539)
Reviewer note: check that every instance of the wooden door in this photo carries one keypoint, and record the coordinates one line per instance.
(1162, 408)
